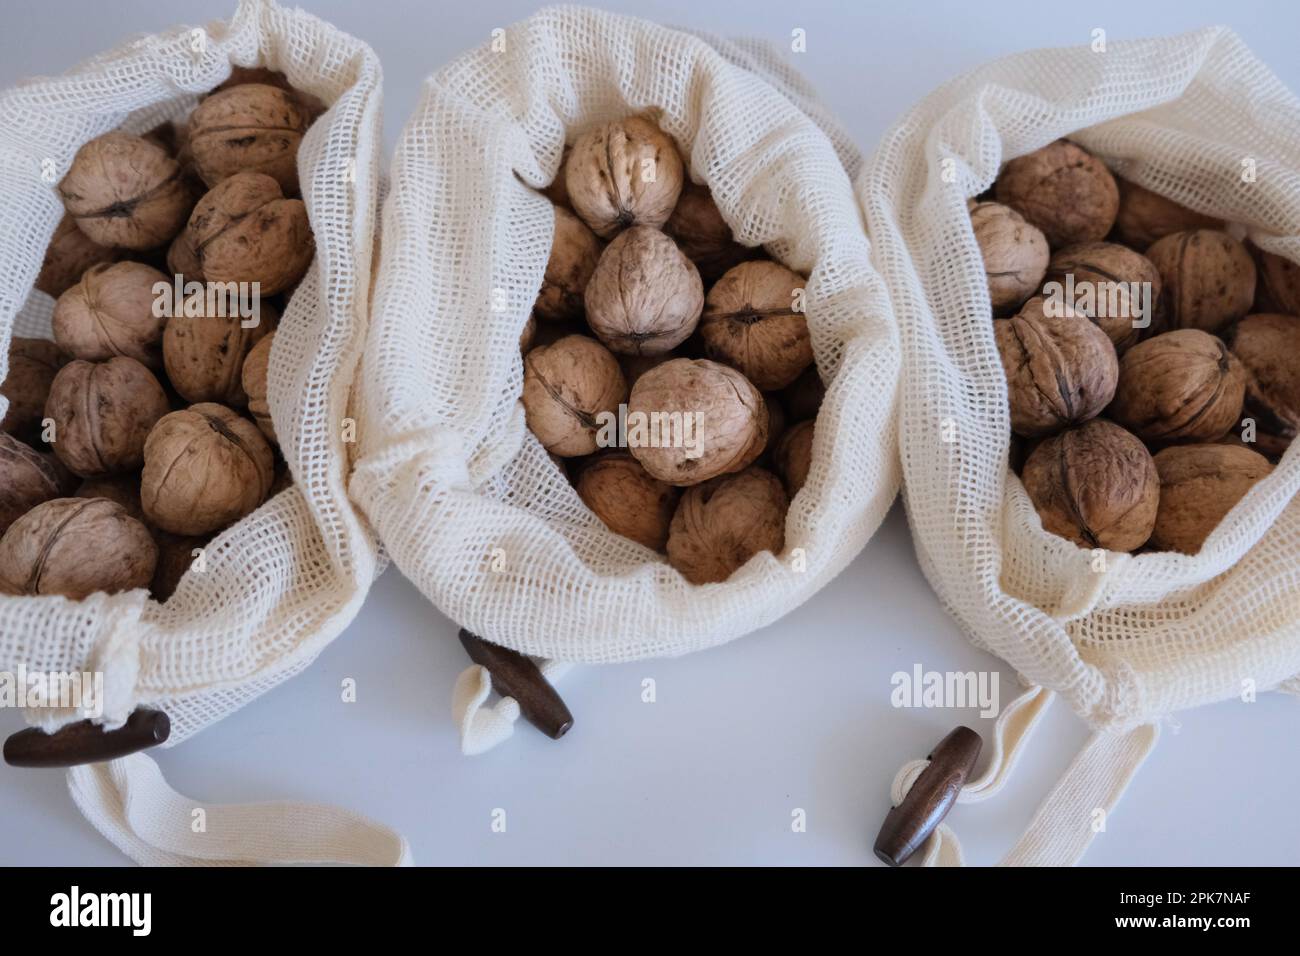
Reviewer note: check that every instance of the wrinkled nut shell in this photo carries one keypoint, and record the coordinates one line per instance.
(102, 413)
(627, 499)
(204, 468)
(244, 230)
(645, 297)
(312, 106)
(1268, 346)
(248, 128)
(256, 366)
(70, 253)
(1183, 386)
(111, 312)
(793, 456)
(26, 479)
(1063, 190)
(1209, 279)
(1199, 485)
(704, 236)
(751, 324)
(1095, 485)
(1117, 288)
(621, 174)
(1015, 254)
(76, 547)
(204, 353)
(1278, 285)
(125, 191)
(33, 363)
(725, 431)
(566, 386)
(575, 251)
(1060, 370)
(1145, 216)
(721, 524)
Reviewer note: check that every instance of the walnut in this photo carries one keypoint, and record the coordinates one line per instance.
(566, 386)
(645, 296)
(122, 489)
(256, 365)
(803, 399)
(70, 253)
(624, 173)
(1095, 485)
(26, 479)
(204, 349)
(1117, 288)
(312, 106)
(627, 499)
(752, 323)
(575, 250)
(1183, 386)
(102, 412)
(68, 482)
(175, 555)
(558, 191)
(125, 191)
(249, 128)
(1063, 190)
(1267, 346)
(1278, 286)
(33, 363)
(793, 456)
(1061, 370)
(204, 468)
(1145, 216)
(1015, 254)
(700, 419)
(721, 524)
(704, 236)
(1199, 485)
(1209, 279)
(183, 257)
(111, 311)
(244, 230)
(76, 547)
(775, 422)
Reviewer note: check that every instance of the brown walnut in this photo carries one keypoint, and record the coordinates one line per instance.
(704, 236)
(575, 250)
(1209, 279)
(26, 479)
(256, 365)
(1063, 190)
(312, 106)
(1268, 346)
(249, 128)
(1145, 216)
(110, 312)
(793, 456)
(33, 363)
(1117, 288)
(1278, 286)
(102, 413)
(204, 350)
(721, 524)
(751, 323)
(70, 253)
(628, 499)
(645, 297)
(624, 173)
(1199, 485)
(1015, 254)
(567, 385)
(175, 555)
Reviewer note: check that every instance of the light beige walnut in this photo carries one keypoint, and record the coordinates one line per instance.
(754, 322)
(645, 297)
(1015, 254)
(721, 524)
(26, 480)
(110, 312)
(102, 412)
(567, 385)
(624, 173)
(575, 250)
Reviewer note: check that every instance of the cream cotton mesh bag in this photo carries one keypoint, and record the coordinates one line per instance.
(1124, 640)
(283, 582)
(465, 499)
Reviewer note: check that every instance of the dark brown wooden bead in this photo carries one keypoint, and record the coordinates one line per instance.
(87, 742)
(908, 825)
(514, 675)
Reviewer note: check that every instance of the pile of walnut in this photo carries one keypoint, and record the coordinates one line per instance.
(649, 303)
(1133, 438)
(158, 430)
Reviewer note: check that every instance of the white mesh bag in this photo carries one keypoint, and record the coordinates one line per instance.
(283, 582)
(465, 499)
(1125, 640)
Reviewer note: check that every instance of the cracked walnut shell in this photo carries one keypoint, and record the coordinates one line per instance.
(645, 297)
(751, 323)
(624, 173)
(721, 524)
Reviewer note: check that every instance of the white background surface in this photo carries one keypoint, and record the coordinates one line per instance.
(796, 716)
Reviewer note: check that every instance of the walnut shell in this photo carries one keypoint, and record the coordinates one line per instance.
(102, 413)
(1183, 386)
(76, 547)
(645, 297)
(204, 468)
(803, 399)
(1061, 371)
(750, 323)
(566, 386)
(70, 253)
(1015, 254)
(575, 251)
(244, 230)
(704, 236)
(627, 499)
(1117, 288)
(122, 489)
(248, 128)
(1063, 190)
(558, 191)
(624, 173)
(26, 479)
(1267, 345)
(112, 311)
(1199, 485)
(312, 106)
(125, 191)
(183, 257)
(256, 365)
(33, 363)
(1278, 285)
(204, 350)
(793, 456)
(175, 555)
(1209, 279)
(1095, 485)
(727, 429)
(721, 524)
(1145, 216)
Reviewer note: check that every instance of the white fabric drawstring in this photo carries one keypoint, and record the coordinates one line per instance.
(482, 727)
